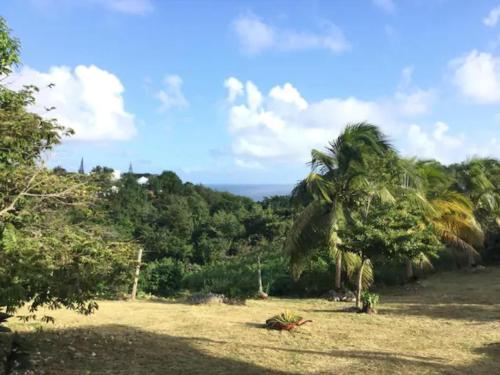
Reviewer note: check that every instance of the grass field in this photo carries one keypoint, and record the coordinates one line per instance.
(449, 324)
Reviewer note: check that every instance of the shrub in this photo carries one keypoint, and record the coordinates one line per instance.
(162, 278)
(369, 300)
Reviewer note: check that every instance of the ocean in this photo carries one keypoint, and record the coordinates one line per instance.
(255, 191)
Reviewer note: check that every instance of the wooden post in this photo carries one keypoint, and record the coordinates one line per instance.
(136, 276)
(259, 275)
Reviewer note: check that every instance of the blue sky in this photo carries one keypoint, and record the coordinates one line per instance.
(240, 91)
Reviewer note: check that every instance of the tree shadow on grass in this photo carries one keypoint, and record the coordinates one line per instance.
(471, 312)
(118, 349)
(460, 311)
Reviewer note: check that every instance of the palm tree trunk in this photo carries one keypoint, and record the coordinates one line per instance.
(338, 271)
(259, 276)
(409, 270)
(360, 283)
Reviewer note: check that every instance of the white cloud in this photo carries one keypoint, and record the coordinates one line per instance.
(255, 36)
(288, 94)
(386, 5)
(477, 75)
(86, 98)
(234, 87)
(172, 96)
(492, 18)
(282, 126)
(435, 143)
(416, 102)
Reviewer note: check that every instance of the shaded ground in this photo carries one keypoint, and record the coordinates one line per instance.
(449, 325)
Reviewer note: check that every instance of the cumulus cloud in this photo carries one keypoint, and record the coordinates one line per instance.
(87, 99)
(255, 37)
(234, 88)
(492, 18)
(436, 143)
(477, 75)
(171, 96)
(386, 5)
(282, 126)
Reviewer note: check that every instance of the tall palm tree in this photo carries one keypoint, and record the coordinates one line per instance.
(451, 213)
(339, 178)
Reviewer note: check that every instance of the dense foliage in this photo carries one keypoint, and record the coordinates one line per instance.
(50, 253)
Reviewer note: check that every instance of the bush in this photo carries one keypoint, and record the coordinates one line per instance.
(162, 278)
(234, 279)
(369, 300)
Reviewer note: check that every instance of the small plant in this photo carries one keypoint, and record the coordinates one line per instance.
(287, 320)
(369, 300)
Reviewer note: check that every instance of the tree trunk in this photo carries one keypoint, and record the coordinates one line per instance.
(338, 271)
(409, 270)
(360, 283)
(137, 272)
(259, 276)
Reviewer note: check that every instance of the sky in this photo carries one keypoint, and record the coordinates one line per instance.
(241, 91)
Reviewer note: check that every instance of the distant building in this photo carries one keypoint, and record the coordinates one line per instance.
(81, 170)
(142, 180)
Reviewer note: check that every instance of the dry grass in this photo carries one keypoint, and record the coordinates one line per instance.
(451, 324)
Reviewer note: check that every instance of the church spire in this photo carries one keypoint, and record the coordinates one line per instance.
(81, 170)
(130, 170)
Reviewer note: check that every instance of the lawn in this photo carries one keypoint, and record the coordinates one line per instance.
(450, 323)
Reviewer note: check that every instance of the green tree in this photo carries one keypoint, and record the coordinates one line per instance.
(47, 255)
(341, 178)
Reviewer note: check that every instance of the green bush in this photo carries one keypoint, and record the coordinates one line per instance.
(369, 300)
(234, 279)
(162, 278)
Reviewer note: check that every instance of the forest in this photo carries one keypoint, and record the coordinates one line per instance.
(364, 218)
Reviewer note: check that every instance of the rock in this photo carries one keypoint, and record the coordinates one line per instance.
(334, 296)
(262, 295)
(206, 299)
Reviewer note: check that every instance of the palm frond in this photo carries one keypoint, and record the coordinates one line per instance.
(306, 235)
(351, 262)
(422, 262)
(322, 162)
(319, 187)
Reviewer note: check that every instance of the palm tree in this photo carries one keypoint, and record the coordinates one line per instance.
(340, 177)
(451, 213)
(479, 180)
